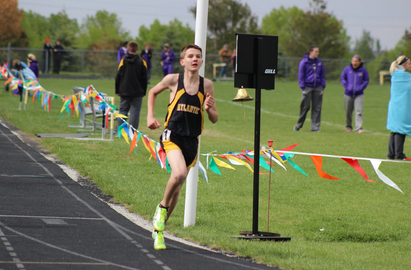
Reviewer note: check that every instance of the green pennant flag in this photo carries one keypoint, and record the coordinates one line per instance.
(213, 166)
(264, 164)
(295, 166)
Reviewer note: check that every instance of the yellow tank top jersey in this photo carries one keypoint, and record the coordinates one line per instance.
(185, 114)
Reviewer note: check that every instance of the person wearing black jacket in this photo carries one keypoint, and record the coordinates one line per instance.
(131, 85)
(57, 57)
(47, 51)
(146, 55)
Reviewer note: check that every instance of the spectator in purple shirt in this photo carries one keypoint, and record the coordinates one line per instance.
(355, 79)
(167, 58)
(311, 78)
(122, 51)
(33, 64)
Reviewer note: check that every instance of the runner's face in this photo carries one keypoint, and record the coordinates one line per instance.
(192, 59)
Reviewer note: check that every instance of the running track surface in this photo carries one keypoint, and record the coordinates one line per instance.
(49, 221)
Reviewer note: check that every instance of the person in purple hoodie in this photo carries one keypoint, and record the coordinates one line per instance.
(355, 79)
(311, 78)
(33, 64)
(122, 51)
(167, 58)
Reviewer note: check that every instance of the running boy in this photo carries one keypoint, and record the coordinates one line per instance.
(189, 92)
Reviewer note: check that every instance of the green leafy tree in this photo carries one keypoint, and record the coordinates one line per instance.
(313, 27)
(66, 30)
(36, 28)
(103, 31)
(365, 46)
(277, 24)
(225, 19)
(62, 28)
(175, 34)
(403, 46)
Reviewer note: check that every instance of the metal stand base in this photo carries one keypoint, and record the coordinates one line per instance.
(266, 236)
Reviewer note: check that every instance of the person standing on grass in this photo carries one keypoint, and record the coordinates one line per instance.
(189, 93)
(399, 107)
(33, 64)
(167, 60)
(146, 54)
(355, 79)
(311, 78)
(225, 57)
(58, 51)
(122, 51)
(131, 85)
(47, 51)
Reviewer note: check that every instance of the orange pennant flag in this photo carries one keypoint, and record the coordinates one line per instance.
(318, 163)
(8, 80)
(134, 141)
(356, 165)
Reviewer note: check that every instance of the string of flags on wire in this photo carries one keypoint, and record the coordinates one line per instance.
(71, 104)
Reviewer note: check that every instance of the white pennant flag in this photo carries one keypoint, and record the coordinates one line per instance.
(376, 164)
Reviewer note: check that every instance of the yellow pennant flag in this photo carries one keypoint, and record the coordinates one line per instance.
(231, 157)
(222, 163)
(124, 135)
(117, 114)
(277, 156)
(75, 104)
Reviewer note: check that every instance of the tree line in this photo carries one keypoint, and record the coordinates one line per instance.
(296, 28)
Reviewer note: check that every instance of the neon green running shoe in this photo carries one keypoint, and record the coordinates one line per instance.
(159, 218)
(158, 240)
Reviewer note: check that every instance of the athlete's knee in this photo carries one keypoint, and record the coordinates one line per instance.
(179, 177)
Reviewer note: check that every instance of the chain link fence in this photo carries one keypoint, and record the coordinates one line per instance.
(104, 64)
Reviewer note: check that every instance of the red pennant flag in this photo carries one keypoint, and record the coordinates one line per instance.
(288, 148)
(162, 156)
(106, 120)
(318, 163)
(147, 142)
(71, 106)
(356, 165)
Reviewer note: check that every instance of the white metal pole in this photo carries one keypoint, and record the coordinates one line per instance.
(191, 184)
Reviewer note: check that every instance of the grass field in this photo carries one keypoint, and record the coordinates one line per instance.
(365, 225)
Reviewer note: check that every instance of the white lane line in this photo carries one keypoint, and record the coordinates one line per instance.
(12, 253)
(49, 217)
(108, 221)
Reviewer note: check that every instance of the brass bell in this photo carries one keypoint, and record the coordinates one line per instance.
(242, 95)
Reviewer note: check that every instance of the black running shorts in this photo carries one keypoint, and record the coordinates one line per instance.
(187, 145)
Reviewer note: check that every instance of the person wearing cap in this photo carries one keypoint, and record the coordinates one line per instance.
(47, 51)
(33, 64)
(355, 79)
(399, 107)
(167, 58)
